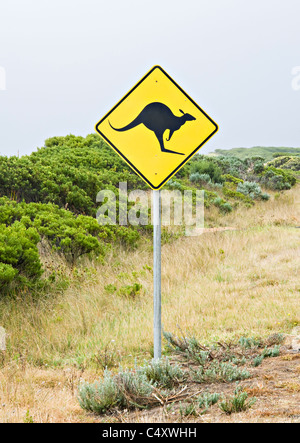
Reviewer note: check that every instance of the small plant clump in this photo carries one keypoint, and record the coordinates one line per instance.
(207, 400)
(249, 343)
(239, 402)
(129, 388)
(200, 405)
(220, 372)
(162, 374)
(266, 354)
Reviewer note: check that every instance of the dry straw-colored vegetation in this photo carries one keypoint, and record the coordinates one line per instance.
(216, 286)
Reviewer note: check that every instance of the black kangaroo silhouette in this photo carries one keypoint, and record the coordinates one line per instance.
(158, 118)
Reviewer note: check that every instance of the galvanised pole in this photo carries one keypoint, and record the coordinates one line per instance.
(157, 272)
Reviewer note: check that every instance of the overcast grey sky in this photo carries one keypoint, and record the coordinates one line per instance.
(67, 62)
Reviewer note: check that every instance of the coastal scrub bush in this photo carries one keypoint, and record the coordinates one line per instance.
(224, 206)
(284, 161)
(252, 190)
(231, 179)
(72, 236)
(229, 192)
(277, 179)
(68, 171)
(207, 167)
(196, 177)
(19, 258)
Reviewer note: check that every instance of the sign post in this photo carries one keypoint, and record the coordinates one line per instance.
(156, 128)
(156, 195)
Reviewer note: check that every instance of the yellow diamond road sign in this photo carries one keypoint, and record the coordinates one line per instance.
(156, 128)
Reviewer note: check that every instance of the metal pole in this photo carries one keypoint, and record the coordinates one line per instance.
(157, 272)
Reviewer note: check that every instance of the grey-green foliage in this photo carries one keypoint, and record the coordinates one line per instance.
(123, 390)
(252, 190)
(134, 383)
(224, 206)
(189, 347)
(100, 396)
(187, 410)
(286, 162)
(204, 179)
(257, 361)
(199, 405)
(195, 352)
(237, 403)
(267, 353)
(220, 372)
(272, 352)
(200, 178)
(129, 388)
(161, 373)
(206, 400)
(277, 179)
(175, 184)
(204, 165)
(249, 342)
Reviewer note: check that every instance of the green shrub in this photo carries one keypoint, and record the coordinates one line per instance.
(264, 152)
(232, 166)
(230, 193)
(189, 347)
(207, 167)
(231, 179)
(286, 162)
(258, 167)
(69, 172)
(283, 154)
(19, 258)
(110, 289)
(72, 236)
(188, 410)
(130, 290)
(293, 164)
(249, 342)
(224, 206)
(174, 184)
(277, 179)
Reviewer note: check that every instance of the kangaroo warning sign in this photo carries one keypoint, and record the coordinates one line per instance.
(156, 128)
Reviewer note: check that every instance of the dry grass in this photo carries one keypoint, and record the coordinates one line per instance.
(39, 395)
(220, 285)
